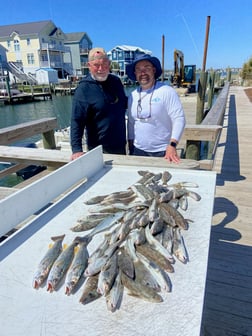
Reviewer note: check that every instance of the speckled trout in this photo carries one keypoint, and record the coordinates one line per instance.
(46, 263)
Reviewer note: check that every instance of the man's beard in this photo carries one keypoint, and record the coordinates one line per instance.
(101, 78)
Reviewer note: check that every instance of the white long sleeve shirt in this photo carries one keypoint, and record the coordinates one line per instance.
(164, 117)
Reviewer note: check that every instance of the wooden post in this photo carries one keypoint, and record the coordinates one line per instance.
(163, 44)
(49, 140)
(8, 90)
(49, 143)
(228, 74)
(193, 147)
(211, 89)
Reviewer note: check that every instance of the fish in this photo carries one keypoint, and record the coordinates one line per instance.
(117, 207)
(143, 192)
(125, 263)
(155, 244)
(107, 275)
(107, 223)
(119, 195)
(174, 203)
(157, 226)
(115, 294)
(146, 177)
(142, 274)
(166, 196)
(154, 255)
(184, 184)
(85, 224)
(183, 202)
(161, 277)
(194, 195)
(100, 250)
(96, 265)
(153, 210)
(139, 291)
(60, 267)
(166, 176)
(140, 218)
(89, 292)
(178, 248)
(138, 236)
(116, 199)
(95, 200)
(167, 240)
(78, 265)
(47, 261)
(167, 213)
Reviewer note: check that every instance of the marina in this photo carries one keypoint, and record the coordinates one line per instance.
(227, 303)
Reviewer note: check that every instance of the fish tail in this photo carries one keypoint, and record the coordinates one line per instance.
(55, 238)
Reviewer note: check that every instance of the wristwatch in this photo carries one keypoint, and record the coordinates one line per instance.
(173, 144)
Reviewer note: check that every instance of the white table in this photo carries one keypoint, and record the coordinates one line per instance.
(26, 311)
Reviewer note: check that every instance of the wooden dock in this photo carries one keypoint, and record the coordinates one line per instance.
(26, 97)
(228, 297)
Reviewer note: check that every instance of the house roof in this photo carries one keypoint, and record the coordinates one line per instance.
(46, 69)
(76, 37)
(131, 48)
(29, 28)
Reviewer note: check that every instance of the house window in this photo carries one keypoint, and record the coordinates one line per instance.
(8, 44)
(30, 58)
(16, 45)
(28, 41)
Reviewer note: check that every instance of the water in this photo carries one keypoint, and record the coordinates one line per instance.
(59, 107)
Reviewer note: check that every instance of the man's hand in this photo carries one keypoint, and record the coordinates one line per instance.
(76, 155)
(171, 154)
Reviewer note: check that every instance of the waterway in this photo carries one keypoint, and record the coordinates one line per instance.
(59, 107)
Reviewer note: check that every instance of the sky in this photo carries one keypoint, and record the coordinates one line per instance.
(151, 24)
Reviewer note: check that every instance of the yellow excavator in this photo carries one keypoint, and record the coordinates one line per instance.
(184, 75)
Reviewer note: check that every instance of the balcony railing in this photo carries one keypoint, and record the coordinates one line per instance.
(55, 47)
(84, 50)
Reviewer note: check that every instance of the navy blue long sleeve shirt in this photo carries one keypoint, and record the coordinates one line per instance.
(99, 107)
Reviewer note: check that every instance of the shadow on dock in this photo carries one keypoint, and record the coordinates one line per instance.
(228, 297)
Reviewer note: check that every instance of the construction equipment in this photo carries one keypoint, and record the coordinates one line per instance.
(184, 75)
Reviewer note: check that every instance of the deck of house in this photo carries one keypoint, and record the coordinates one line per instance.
(228, 297)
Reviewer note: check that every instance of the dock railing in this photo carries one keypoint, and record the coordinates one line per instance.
(208, 131)
(21, 156)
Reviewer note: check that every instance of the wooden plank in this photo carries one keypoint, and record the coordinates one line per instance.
(55, 158)
(22, 131)
(201, 132)
(228, 302)
(131, 160)
(12, 169)
(36, 156)
(216, 114)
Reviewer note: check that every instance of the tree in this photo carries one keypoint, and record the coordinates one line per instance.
(246, 72)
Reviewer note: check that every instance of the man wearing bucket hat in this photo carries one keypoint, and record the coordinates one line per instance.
(156, 119)
(99, 107)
